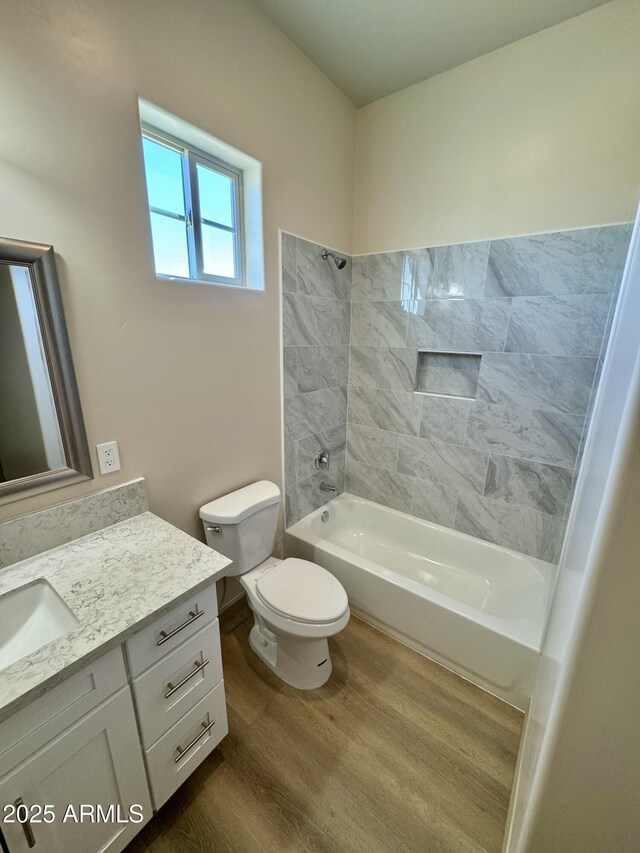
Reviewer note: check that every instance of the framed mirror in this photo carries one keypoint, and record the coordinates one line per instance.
(43, 444)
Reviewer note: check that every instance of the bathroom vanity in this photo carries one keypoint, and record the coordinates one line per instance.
(105, 720)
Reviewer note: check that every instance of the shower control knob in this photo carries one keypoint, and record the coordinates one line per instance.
(322, 459)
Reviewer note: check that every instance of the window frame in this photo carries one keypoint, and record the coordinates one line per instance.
(191, 157)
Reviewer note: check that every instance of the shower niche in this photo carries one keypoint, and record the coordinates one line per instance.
(448, 374)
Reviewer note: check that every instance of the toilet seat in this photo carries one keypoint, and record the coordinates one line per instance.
(301, 590)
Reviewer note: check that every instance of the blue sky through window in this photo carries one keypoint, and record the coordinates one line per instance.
(216, 196)
(180, 248)
(164, 177)
(165, 189)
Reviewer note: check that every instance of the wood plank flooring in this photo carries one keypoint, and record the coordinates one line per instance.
(395, 753)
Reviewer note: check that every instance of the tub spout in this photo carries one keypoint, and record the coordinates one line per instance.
(327, 487)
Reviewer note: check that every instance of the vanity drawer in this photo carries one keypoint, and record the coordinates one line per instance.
(171, 629)
(44, 718)
(176, 755)
(171, 687)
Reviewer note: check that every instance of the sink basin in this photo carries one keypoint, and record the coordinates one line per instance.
(30, 617)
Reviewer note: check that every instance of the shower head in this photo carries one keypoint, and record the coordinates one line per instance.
(337, 260)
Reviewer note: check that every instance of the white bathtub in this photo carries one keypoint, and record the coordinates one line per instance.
(477, 608)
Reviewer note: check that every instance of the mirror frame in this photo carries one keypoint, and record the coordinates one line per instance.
(40, 259)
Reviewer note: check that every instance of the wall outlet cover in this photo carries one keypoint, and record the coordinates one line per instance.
(108, 457)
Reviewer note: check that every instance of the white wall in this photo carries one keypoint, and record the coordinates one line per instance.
(185, 377)
(579, 774)
(538, 136)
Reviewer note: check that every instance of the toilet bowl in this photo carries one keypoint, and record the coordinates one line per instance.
(296, 604)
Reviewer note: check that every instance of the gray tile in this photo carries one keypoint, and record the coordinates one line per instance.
(391, 410)
(291, 464)
(305, 497)
(377, 277)
(334, 440)
(315, 412)
(417, 270)
(558, 325)
(311, 322)
(383, 367)
(392, 276)
(459, 271)
(378, 324)
(592, 401)
(447, 464)
(322, 367)
(550, 437)
(462, 325)
(377, 484)
(517, 527)
(549, 382)
(542, 487)
(566, 262)
(444, 373)
(290, 371)
(610, 317)
(345, 324)
(434, 503)
(587, 419)
(444, 419)
(335, 476)
(289, 256)
(374, 447)
(320, 278)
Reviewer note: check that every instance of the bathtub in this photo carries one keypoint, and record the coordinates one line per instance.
(474, 607)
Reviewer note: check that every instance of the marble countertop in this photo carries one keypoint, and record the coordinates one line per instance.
(115, 581)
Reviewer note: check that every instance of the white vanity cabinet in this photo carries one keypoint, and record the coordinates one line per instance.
(73, 747)
(118, 737)
(95, 762)
(176, 669)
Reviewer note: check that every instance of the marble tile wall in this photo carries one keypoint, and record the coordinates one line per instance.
(316, 332)
(499, 466)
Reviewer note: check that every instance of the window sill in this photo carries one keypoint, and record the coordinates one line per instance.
(178, 280)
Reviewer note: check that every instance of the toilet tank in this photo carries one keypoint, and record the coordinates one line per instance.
(242, 525)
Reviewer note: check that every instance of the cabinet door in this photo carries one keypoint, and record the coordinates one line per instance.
(97, 761)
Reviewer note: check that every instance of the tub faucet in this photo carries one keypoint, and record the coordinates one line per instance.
(327, 487)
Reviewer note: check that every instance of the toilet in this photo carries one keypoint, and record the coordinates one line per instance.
(296, 604)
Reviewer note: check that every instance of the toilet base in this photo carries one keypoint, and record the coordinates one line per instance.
(301, 663)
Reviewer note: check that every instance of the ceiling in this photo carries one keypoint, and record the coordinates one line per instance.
(372, 48)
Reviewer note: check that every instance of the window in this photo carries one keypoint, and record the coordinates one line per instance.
(196, 211)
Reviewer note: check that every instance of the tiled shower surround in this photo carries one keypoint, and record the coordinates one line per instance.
(505, 334)
(316, 317)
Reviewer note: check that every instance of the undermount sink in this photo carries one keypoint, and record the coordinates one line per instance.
(30, 617)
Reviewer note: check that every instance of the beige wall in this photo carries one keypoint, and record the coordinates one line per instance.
(185, 377)
(541, 135)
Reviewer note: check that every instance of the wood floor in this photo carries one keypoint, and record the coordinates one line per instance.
(395, 753)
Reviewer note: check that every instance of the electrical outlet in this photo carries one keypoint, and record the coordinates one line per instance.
(108, 457)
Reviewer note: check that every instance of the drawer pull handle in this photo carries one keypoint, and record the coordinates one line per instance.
(26, 825)
(173, 687)
(192, 618)
(182, 752)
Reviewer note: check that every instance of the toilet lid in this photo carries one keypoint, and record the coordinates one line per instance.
(302, 590)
